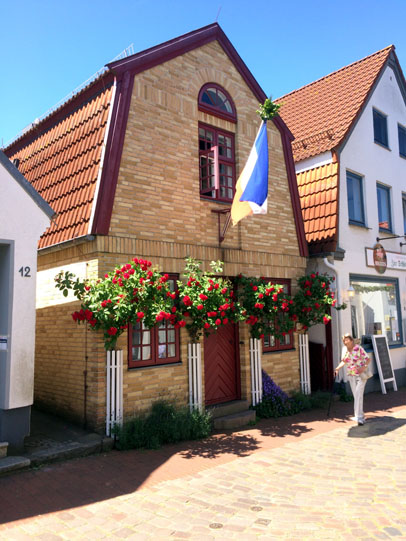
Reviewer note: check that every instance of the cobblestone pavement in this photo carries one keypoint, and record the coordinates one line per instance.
(346, 483)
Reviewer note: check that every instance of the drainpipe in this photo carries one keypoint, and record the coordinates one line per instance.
(339, 301)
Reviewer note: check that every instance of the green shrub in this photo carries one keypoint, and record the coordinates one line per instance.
(165, 423)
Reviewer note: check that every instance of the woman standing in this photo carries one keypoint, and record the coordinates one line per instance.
(357, 361)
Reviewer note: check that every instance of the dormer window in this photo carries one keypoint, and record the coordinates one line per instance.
(216, 101)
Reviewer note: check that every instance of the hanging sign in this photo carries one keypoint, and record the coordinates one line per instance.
(394, 260)
(380, 260)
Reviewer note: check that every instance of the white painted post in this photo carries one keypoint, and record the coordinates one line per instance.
(304, 363)
(256, 370)
(114, 390)
(195, 376)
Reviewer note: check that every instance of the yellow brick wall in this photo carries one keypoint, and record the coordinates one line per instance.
(158, 215)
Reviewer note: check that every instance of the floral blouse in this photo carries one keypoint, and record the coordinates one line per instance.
(358, 358)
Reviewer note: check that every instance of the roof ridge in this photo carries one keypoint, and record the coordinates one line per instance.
(388, 48)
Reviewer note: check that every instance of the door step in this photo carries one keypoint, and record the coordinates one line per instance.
(235, 420)
(233, 414)
(3, 448)
(12, 463)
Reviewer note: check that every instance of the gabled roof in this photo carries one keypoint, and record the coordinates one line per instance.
(61, 159)
(27, 187)
(321, 114)
(73, 156)
(318, 191)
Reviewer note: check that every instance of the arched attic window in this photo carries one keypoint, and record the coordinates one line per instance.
(216, 101)
(216, 146)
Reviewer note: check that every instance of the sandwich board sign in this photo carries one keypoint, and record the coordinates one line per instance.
(383, 361)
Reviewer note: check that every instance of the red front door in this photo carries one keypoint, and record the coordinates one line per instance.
(221, 366)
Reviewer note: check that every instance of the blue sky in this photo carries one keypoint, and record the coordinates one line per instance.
(49, 47)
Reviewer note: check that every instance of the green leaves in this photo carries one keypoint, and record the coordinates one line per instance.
(268, 109)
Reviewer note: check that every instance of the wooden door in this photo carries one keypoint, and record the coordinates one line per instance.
(221, 365)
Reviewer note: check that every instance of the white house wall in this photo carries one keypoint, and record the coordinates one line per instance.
(23, 222)
(375, 164)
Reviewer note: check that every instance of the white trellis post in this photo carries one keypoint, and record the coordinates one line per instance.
(304, 363)
(114, 391)
(195, 375)
(256, 370)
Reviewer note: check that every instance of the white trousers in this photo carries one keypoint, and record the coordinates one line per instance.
(357, 387)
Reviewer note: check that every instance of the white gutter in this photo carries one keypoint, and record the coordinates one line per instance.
(338, 312)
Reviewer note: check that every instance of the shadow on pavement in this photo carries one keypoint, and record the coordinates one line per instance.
(82, 481)
(236, 444)
(376, 426)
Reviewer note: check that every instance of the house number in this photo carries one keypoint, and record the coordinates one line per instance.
(25, 272)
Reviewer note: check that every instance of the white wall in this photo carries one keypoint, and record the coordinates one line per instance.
(375, 164)
(24, 222)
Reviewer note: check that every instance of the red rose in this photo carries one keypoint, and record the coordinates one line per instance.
(112, 331)
(255, 288)
(92, 322)
(313, 276)
(317, 305)
(140, 315)
(173, 309)
(225, 321)
(200, 306)
(308, 292)
(326, 319)
(203, 297)
(218, 322)
(216, 286)
(275, 297)
(182, 323)
(224, 291)
(260, 295)
(207, 325)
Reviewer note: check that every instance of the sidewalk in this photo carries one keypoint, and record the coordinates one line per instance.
(75, 486)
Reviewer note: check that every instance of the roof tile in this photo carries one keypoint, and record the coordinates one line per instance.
(318, 199)
(320, 114)
(63, 163)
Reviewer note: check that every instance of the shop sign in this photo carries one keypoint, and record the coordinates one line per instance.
(381, 259)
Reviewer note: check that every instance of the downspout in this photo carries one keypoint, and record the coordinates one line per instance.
(339, 301)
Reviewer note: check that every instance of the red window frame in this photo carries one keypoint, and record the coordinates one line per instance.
(213, 99)
(216, 163)
(150, 342)
(268, 339)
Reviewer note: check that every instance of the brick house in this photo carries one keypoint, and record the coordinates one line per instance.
(139, 163)
(350, 160)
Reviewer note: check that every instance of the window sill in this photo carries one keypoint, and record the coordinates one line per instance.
(382, 146)
(386, 231)
(356, 224)
(282, 350)
(403, 156)
(219, 201)
(149, 366)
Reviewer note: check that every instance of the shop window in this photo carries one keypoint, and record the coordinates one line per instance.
(384, 207)
(270, 342)
(216, 163)
(380, 128)
(375, 309)
(355, 197)
(402, 140)
(150, 347)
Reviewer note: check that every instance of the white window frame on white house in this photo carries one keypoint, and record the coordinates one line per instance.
(352, 219)
(380, 115)
(383, 188)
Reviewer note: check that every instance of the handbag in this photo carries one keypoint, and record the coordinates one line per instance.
(367, 373)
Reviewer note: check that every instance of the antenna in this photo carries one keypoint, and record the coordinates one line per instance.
(218, 13)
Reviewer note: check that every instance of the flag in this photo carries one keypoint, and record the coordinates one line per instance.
(251, 190)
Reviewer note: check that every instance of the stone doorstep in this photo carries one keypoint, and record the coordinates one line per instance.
(12, 463)
(3, 448)
(235, 420)
(228, 408)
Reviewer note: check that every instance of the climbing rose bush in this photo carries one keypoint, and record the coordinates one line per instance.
(313, 300)
(206, 299)
(267, 308)
(131, 293)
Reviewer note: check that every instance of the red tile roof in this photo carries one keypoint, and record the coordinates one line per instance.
(318, 191)
(320, 114)
(63, 163)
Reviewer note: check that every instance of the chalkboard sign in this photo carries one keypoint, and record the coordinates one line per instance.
(383, 361)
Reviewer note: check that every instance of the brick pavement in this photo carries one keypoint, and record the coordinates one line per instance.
(300, 478)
